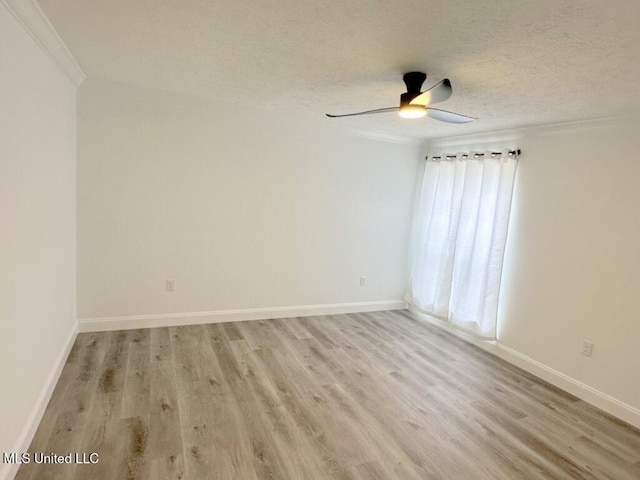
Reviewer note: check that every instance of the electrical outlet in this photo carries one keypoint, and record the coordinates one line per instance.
(587, 348)
(363, 281)
(170, 286)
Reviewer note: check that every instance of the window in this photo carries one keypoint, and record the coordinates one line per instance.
(461, 234)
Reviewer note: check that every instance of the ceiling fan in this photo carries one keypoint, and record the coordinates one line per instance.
(417, 104)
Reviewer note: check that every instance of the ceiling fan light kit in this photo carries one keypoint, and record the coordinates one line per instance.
(412, 111)
(416, 104)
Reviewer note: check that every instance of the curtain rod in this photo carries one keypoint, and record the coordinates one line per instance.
(511, 153)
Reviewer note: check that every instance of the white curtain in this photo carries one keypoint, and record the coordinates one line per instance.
(461, 235)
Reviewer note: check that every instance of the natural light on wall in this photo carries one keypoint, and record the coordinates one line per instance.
(461, 234)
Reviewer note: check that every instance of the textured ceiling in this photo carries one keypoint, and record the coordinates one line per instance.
(511, 63)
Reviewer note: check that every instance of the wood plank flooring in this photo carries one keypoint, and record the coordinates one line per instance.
(371, 396)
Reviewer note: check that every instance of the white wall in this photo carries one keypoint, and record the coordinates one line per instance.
(243, 208)
(572, 266)
(37, 218)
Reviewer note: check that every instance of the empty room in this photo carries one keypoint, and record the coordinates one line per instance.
(302, 240)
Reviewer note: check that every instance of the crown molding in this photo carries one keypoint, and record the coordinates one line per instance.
(385, 137)
(500, 139)
(29, 14)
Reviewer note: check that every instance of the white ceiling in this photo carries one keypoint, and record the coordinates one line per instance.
(512, 63)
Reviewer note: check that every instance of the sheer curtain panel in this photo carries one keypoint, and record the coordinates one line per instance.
(461, 234)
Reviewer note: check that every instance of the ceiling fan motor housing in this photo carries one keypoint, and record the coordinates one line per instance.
(406, 98)
(413, 81)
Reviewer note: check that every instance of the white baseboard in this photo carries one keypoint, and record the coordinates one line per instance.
(605, 402)
(220, 316)
(581, 390)
(8, 471)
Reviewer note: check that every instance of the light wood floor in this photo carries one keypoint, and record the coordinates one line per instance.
(362, 396)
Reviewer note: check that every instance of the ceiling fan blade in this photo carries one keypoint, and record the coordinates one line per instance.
(438, 93)
(366, 112)
(450, 117)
